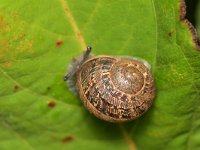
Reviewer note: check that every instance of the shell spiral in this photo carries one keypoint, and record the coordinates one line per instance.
(115, 89)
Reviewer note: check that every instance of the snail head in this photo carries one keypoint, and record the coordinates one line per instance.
(76, 63)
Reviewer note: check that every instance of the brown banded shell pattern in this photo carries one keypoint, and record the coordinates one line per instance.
(115, 89)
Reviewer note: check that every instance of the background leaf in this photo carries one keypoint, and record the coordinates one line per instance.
(198, 18)
(38, 40)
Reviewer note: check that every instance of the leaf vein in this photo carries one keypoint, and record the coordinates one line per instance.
(77, 31)
(127, 138)
(33, 92)
(92, 14)
(156, 34)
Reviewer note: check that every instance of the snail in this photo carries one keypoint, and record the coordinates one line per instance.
(113, 88)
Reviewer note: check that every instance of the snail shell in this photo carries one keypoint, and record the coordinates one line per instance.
(115, 89)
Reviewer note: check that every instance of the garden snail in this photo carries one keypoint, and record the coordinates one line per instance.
(113, 88)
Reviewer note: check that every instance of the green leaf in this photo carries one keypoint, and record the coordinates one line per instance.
(38, 40)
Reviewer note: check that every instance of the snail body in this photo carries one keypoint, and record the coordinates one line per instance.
(115, 89)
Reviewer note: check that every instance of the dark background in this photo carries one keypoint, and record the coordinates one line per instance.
(192, 6)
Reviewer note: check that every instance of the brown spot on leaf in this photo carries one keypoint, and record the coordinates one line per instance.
(15, 15)
(16, 87)
(170, 34)
(51, 103)
(22, 35)
(7, 64)
(188, 24)
(30, 44)
(59, 43)
(2, 22)
(67, 139)
(19, 37)
(6, 43)
(24, 45)
(48, 88)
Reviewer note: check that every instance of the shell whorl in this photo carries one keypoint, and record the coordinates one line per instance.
(115, 89)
